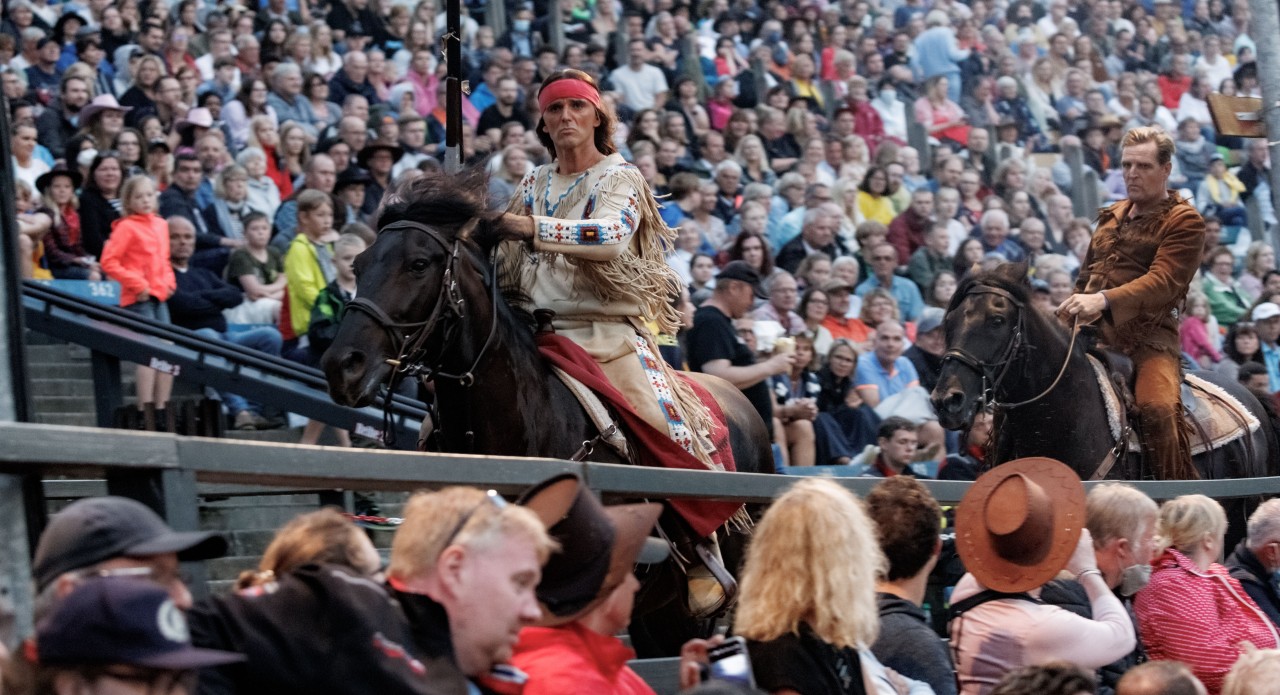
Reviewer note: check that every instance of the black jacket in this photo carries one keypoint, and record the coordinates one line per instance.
(909, 646)
(1068, 594)
(200, 297)
(1256, 580)
(341, 85)
(792, 252)
(96, 216)
(322, 630)
(54, 130)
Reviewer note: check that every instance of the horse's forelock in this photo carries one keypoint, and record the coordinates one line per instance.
(444, 202)
(1019, 288)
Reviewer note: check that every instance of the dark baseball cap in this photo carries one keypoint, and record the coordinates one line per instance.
(96, 529)
(739, 270)
(119, 620)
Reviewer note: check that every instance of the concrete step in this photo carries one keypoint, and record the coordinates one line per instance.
(40, 354)
(65, 370)
(82, 419)
(229, 567)
(52, 386)
(63, 404)
(263, 516)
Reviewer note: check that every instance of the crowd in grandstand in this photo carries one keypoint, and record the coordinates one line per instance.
(860, 157)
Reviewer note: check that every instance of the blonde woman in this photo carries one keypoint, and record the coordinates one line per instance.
(1259, 260)
(750, 153)
(1193, 611)
(808, 610)
(324, 60)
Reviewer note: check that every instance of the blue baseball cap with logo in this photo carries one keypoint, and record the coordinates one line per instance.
(117, 620)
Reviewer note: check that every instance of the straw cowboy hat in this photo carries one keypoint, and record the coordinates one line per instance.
(599, 545)
(1019, 523)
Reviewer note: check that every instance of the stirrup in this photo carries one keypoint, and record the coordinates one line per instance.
(711, 587)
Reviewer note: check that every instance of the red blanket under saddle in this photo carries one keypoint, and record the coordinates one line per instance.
(653, 448)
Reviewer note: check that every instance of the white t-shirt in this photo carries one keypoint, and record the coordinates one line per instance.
(639, 88)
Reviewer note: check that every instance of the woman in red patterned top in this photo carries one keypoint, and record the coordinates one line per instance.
(1193, 611)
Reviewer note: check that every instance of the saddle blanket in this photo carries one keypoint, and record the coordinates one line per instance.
(649, 446)
(1216, 417)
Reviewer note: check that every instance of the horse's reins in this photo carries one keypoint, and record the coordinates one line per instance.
(990, 380)
(410, 350)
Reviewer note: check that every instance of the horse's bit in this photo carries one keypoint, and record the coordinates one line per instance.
(991, 380)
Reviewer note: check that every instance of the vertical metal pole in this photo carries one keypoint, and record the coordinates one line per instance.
(555, 26)
(21, 497)
(1265, 22)
(453, 86)
(108, 393)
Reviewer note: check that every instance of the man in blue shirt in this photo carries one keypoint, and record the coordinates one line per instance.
(1267, 318)
(886, 372)
(884, 260)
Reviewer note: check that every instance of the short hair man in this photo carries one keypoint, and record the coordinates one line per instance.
(714, 346)
(1152, 242)
(464, 568)
(883, 258)
(1257, 558)
(908, 521)
(105, 536)
(781, 307)
(1160, 678)
(897, 442)
(1122, 521)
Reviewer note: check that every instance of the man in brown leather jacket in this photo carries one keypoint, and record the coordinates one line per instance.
(1142, 258)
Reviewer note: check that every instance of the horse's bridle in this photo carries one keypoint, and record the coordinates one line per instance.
(410, 349)
(991, 380)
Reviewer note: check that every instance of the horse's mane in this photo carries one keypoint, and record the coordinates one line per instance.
(449, 203)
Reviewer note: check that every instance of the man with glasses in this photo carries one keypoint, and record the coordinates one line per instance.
(884, 261)
(460, 586)
(115, 536)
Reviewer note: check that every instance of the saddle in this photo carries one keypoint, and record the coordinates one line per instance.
(1216, 418)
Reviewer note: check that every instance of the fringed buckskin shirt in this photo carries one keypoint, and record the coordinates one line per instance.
(1143, 265)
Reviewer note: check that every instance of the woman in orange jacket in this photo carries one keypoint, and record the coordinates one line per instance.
(137, 256)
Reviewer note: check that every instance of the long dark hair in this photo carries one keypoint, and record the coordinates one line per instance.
(608, 122)
(1229, 343)
(735, 251)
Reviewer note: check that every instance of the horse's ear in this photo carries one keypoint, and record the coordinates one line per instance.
(1013, 273)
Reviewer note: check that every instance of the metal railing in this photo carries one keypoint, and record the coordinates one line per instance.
(170, 473)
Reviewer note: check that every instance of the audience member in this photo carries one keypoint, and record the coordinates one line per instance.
(908, 522)
(808, 611)
(1160, 678)
(1193, 611)
(1025, 522)
(1255, 558)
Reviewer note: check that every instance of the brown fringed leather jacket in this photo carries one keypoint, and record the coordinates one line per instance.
(1144, 265)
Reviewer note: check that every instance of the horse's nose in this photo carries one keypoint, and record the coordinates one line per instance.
(353, 361)
(950, 406)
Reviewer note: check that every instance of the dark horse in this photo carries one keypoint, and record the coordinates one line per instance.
(1002, 349)
(428, 289)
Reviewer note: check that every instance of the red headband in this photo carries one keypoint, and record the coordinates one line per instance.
(568, 89)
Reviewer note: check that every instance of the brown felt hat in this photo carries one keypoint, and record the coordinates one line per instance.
(1019, 523)
(599, 545)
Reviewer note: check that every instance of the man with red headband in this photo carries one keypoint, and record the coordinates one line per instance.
(591, 249)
